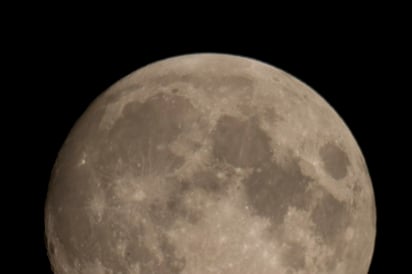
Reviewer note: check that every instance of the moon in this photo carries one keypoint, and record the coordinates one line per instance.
(210, 163)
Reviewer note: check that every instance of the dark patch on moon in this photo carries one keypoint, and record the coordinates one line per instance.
(331, 217)
(172, 262)
(178, 210)
(159, 213)
(164, 212)
(208, 181)
(334, 160)
(276, 187)
(140, 137)
(240, 143)
(174, 207)
(337, 255)
(294, 255)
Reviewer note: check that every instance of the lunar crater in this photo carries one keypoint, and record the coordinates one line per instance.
(335, 160)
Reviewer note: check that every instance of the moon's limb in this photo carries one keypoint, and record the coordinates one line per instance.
(210, 164)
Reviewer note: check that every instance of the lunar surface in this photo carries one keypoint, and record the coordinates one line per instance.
(210, 164)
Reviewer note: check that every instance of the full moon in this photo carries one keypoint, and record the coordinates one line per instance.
(210, 164)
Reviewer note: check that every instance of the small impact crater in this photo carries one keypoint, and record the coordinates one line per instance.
(335, 160)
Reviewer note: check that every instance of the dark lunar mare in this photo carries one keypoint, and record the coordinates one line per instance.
(130, 147)
(273, 187)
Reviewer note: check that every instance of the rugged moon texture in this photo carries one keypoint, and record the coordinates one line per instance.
(210, 163)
